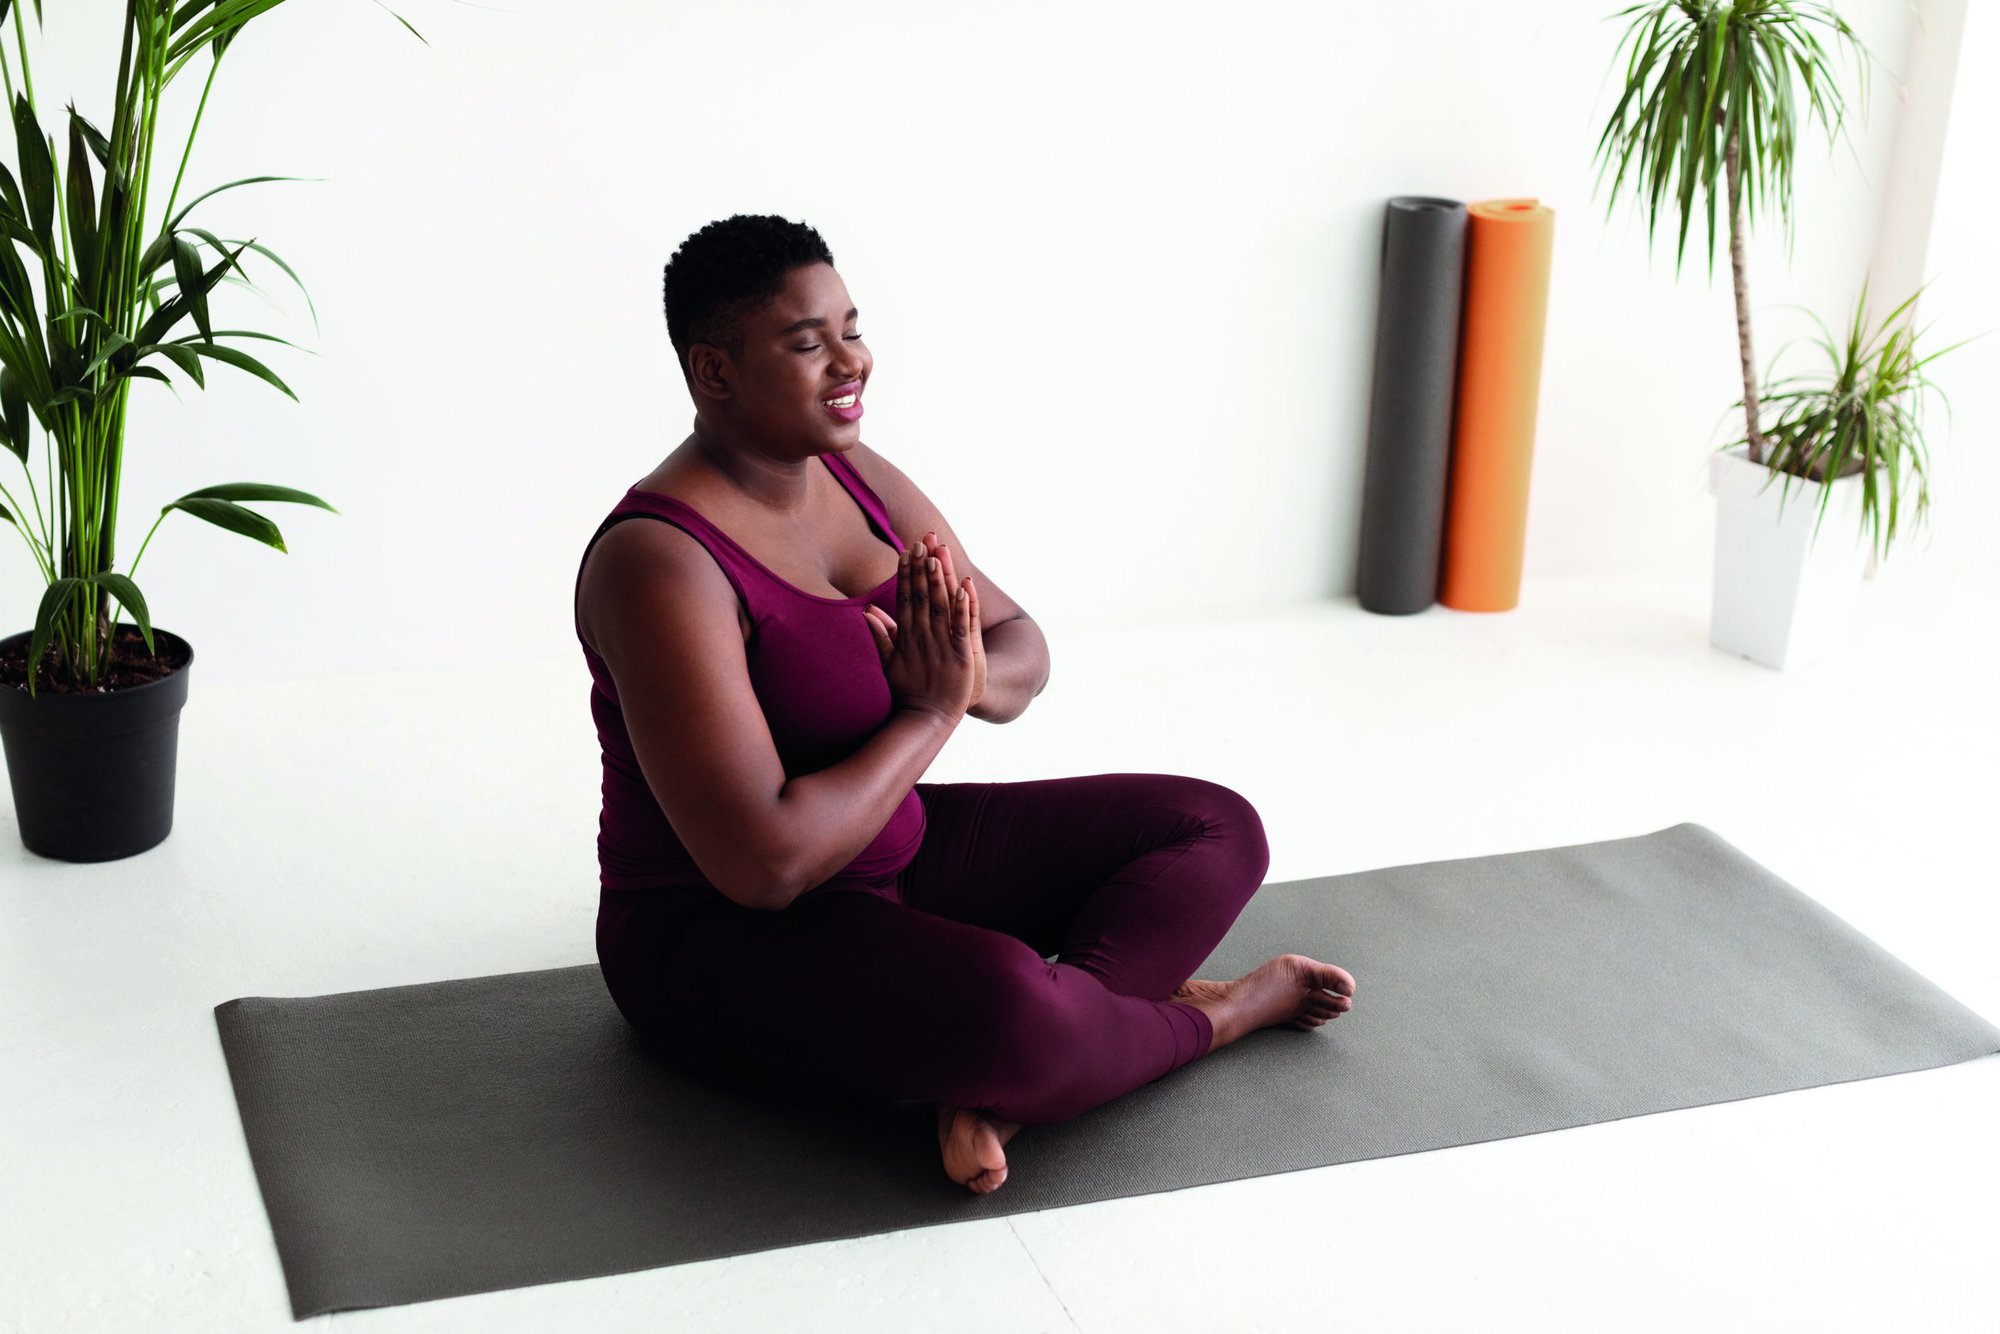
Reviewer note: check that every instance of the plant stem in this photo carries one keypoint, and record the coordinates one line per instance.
(1739, 272)
(21, 43)
(214, 67)
(133, 572)
(118, 433)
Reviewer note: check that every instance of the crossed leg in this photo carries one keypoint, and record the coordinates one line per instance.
(935, 987)
(1132, 878)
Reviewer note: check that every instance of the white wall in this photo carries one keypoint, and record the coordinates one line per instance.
(1159, 221)
(1957, 259)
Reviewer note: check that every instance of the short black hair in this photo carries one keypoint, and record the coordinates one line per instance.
(730, 269)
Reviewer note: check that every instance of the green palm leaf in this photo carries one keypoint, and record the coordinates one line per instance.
(189, 277)
(223, 514)
(82, 203)
(128, 595)
(257, 491)
(37, 175)
(243, 360)
(55, 600)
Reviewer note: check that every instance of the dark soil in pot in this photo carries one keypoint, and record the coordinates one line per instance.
(131, 665)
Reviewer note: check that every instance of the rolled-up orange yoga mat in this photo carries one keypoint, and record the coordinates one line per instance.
(1507, 248)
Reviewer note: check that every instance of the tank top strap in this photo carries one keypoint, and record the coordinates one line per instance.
(651, 504)
(864, 495)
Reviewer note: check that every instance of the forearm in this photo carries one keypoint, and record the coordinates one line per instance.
(1017, 667)
(833, 813)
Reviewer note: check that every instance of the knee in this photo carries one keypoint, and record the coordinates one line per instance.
(1229, 819)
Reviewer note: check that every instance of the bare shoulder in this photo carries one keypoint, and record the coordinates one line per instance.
(901, 497)
(912, 514)
(883, 477)
(642, 557)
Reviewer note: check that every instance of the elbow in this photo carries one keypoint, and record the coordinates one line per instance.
(764, 893)
(755, 885)
(760, 895)
(777, 873)
(755, 868)
(770, 887)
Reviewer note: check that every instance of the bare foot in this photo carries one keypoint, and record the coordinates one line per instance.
(971, 1144)
(1290, 987)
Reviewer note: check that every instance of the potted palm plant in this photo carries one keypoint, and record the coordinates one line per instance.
(1709, 90)
(1781, 596)
(89, 708)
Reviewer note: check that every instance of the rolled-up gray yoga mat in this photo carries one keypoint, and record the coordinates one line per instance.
(1409, 410)
(484, 1133)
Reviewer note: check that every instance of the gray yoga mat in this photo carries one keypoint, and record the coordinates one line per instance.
(1410, 406)
(485, 1133)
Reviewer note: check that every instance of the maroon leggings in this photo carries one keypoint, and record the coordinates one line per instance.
(933, 985)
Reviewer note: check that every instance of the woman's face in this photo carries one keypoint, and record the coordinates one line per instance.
(803, 350)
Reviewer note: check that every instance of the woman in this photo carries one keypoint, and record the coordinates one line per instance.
(775, 664)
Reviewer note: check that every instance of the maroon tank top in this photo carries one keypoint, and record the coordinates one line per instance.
(818, 678)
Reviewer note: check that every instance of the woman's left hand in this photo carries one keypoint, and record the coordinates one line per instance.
(887, 623)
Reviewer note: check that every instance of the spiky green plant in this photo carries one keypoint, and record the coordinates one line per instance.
(1709, 88)
(102, 275)
(1864, 416)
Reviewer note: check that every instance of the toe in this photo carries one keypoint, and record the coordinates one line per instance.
(1336, 979)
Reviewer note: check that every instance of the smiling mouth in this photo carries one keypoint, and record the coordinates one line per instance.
(846, 408)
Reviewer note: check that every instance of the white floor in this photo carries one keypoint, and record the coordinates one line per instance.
(366, 831)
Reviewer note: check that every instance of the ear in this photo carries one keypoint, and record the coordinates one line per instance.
(708, 370)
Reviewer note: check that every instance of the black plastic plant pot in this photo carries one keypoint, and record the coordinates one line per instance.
(93, 772)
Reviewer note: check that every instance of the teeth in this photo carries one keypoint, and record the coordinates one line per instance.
(847, 402)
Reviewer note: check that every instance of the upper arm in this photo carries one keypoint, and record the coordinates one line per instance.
(912, 514)
(663, 617)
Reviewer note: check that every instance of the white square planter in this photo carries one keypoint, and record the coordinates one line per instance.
(1781, 597)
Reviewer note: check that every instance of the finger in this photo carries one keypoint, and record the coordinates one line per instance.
(937, 606)
(905, 591)
(917, 615)
(959, 607)
(935, 546)
(972, 606)
(940, 596)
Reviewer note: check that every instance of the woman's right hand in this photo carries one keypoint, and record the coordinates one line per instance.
(930, 657)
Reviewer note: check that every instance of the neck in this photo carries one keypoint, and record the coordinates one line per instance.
(775, 482)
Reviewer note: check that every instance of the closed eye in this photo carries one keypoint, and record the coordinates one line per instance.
(852, 338)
